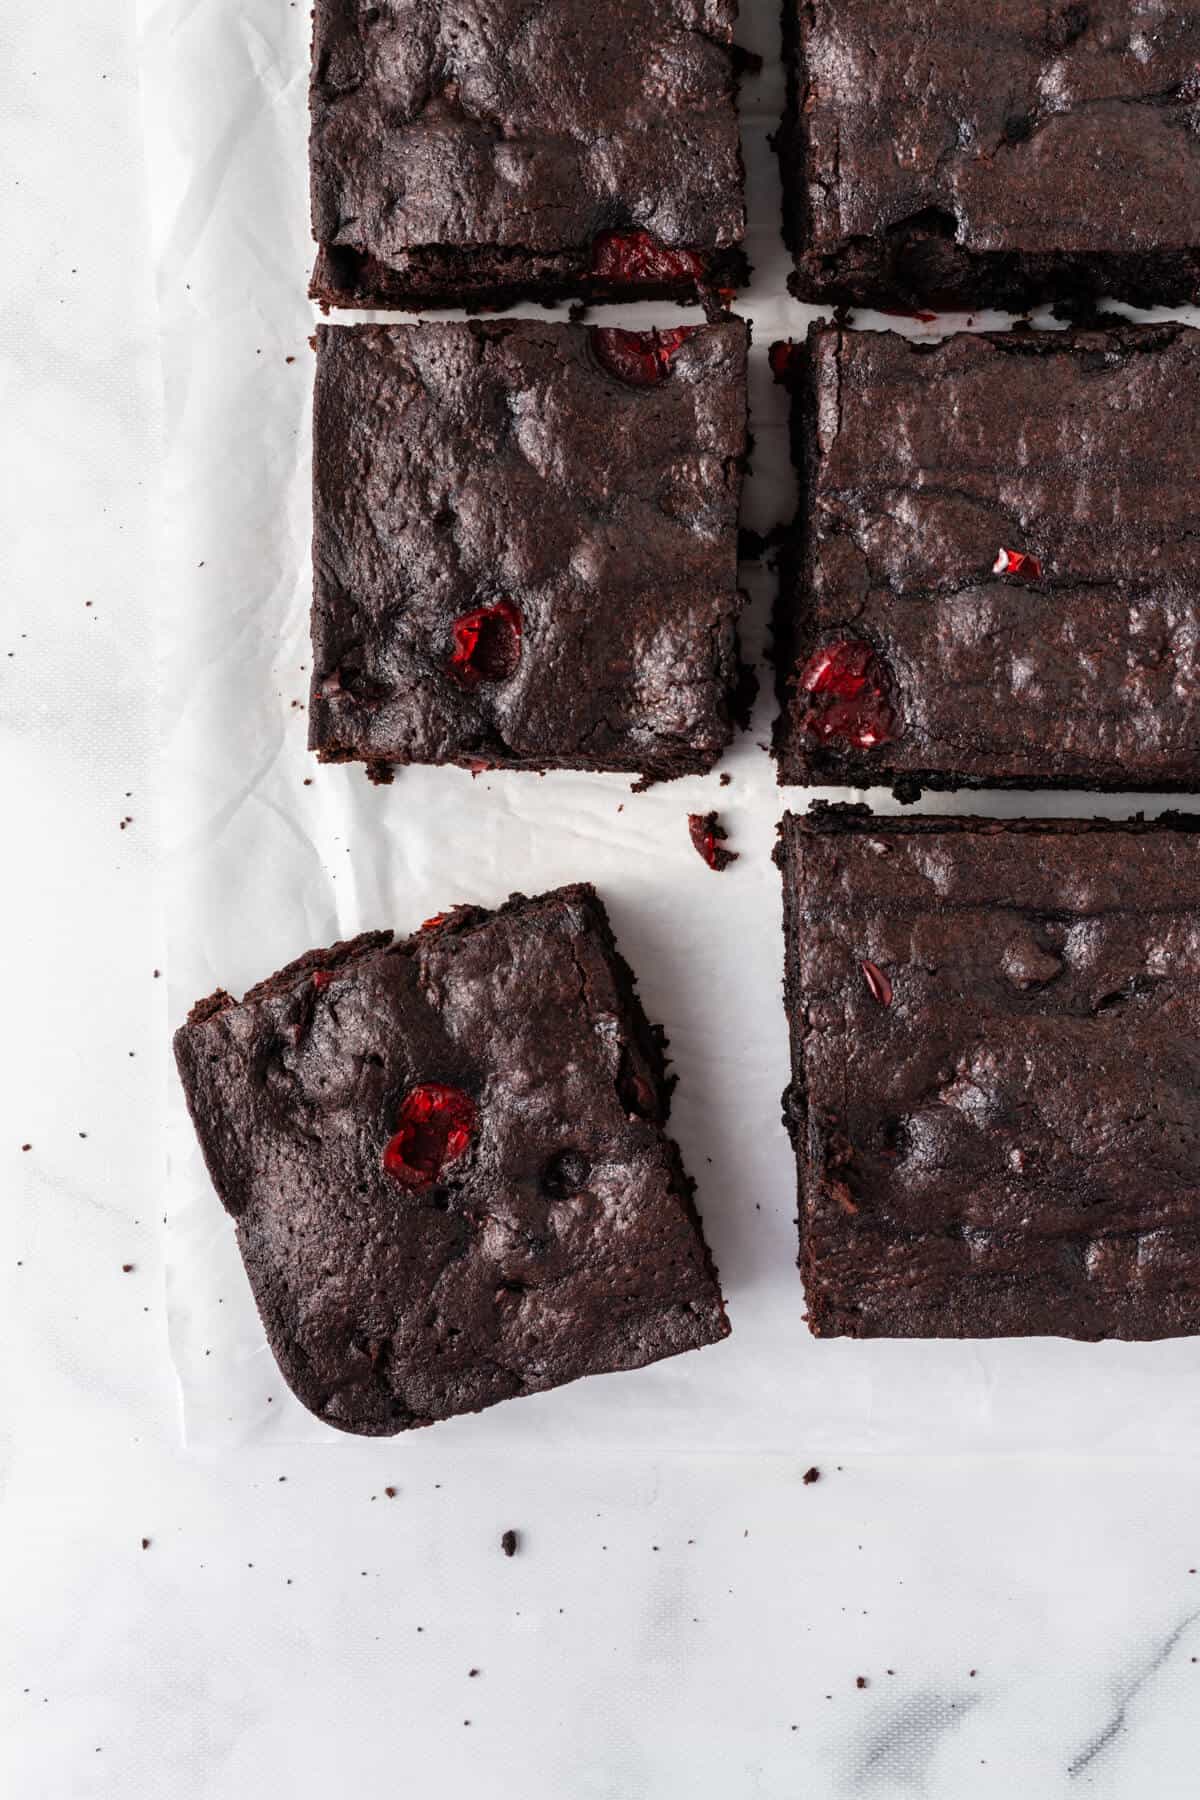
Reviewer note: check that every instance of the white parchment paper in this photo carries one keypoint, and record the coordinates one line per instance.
(269, 855)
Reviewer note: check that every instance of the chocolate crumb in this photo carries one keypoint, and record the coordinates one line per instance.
(707, 834)
(860, 1681)
(811, 1475)
(127, 1268)
(508, 1543)
(471, 1673)
(725, 780)
(145, 1543)
(390, 1492)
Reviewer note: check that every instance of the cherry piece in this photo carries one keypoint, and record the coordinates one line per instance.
(487, 644)
(1017, 562)
(322, 978)
(638, 358)
(878, 983)
(437, 919)
(434, 1129)
(852, 689)
(707, 833)
(784, 358)
(636, 256)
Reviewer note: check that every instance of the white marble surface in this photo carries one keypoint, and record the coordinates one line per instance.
(675, 1624)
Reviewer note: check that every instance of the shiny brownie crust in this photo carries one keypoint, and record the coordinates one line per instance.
(483, 153)
(995, 1100)
(992, 152)
(1074, 459)
(558, 1240)
(590, 516)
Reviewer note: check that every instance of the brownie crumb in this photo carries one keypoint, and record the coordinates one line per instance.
(708, 835)
(860, 1681)
(145, 1543)
(811, 1475)
(390, 1492)
(725, 780)
(127, 1268)
(471, 1674)
(508, 1543)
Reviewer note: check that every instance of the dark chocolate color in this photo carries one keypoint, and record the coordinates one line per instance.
(919, 462)
(458, 467)
(992, 152)
(1010, 1146)
(472, 155)
(563, 1243)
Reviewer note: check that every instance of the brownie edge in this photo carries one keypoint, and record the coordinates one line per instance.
(995, 1095)
(447, 1164)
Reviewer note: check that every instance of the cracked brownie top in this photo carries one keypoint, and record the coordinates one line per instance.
(994, 151)
(447, 1163)
(995, 576)
(462, 150)
(525, 545)
(996, 1074)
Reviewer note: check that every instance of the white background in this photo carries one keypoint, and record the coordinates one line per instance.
(685, 1616)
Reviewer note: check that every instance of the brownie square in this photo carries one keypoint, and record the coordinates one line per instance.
(998, 154)
(995, 1097)
(995, 576)
(525, 545)
(447, 1161)
(495, 151)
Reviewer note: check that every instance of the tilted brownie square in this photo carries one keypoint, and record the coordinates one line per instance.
(494, 151)
(995, 1097)
(447, 1161)
(525, 545)
(993, 152)
(995, 576)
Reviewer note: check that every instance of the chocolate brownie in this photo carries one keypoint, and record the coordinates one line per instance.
(992, 152)
(525, 548)
(447, 1160)
(995, 577)
(495, 151)
(995, 1099)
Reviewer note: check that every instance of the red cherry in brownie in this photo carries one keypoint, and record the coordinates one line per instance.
(878, 982)
(636, 256)
(487, 644)
(1017, 562)
(638, 358)
(850, 689)
(433, 1130)
(322, 978)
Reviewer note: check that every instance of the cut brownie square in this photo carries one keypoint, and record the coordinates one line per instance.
(971, 154)
(525, 545)
(447, 1160)
(995, 577)
(995, 1099)
(483, 153)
